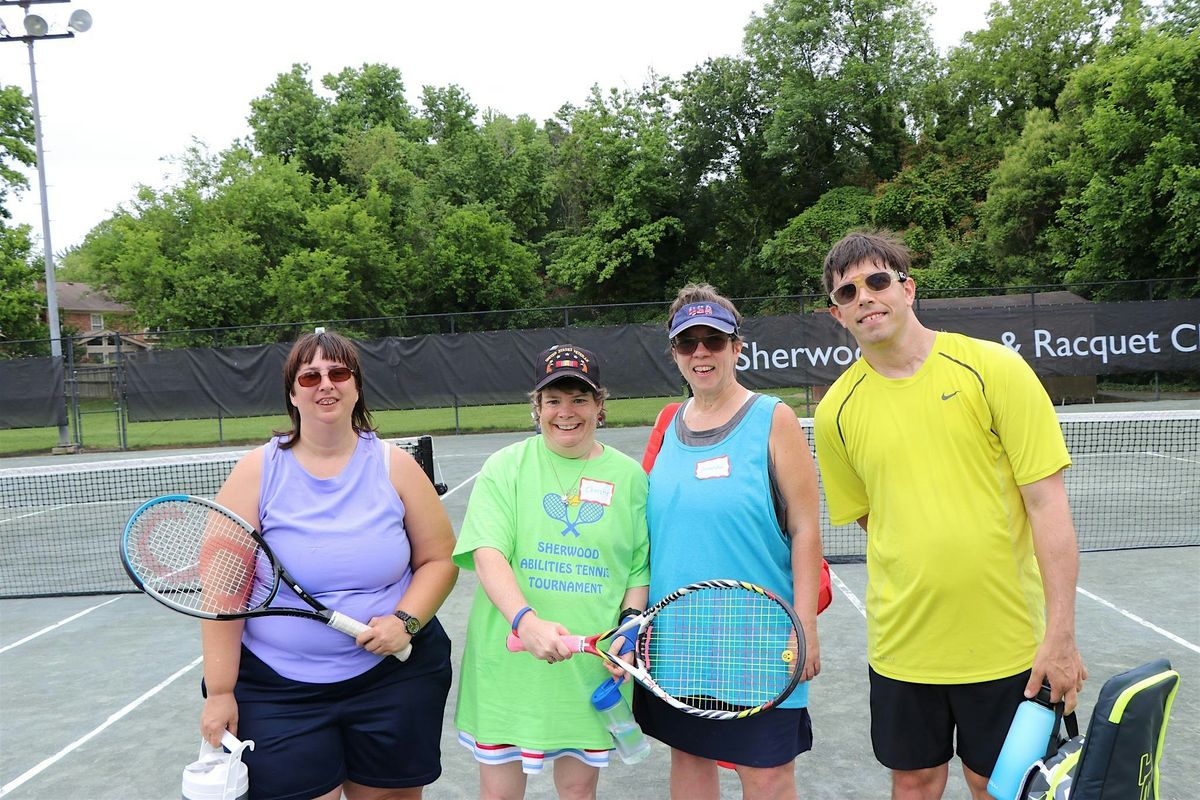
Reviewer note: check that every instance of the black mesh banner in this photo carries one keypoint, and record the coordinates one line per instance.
(784, 351)
(31, 392)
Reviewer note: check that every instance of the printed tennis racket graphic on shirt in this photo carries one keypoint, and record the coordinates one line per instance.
(719, 649)
(199, 558)
(558, 509)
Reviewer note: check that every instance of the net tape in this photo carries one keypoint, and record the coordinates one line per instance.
(60, 526)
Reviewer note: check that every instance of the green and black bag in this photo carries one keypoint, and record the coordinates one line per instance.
(1118, 758)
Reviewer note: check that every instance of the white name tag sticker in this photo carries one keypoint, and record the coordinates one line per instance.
(713, 468)
(592, 491)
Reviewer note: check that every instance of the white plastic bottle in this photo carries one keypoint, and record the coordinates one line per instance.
(631, 744)
(1028, 740)
(217, 775)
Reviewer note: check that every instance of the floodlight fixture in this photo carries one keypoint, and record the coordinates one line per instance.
(80, 22)
(35, 25)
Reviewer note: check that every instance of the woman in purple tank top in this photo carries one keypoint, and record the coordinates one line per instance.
(360, 526)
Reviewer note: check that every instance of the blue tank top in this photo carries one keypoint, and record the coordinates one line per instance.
(711, 514)
(343, 540)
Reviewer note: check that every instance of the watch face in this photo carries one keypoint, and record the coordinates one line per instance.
(411, 623)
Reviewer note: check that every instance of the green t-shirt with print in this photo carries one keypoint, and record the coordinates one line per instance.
(573, 560)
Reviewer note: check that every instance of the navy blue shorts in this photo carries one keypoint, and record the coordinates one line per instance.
(767, 739)
(916, 725)
(381, 729)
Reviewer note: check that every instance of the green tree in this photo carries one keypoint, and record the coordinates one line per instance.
(473, 264)
(617, 196)
(1132, 205)
(20, 300)
(843, 77)
(292, 122)
(796, 254)
(16, 143)
(1020, 61)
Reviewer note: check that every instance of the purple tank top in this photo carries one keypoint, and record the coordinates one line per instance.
(343, 540)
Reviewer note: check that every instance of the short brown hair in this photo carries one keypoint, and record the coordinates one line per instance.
(334, 347)
(880, 247)
(703, 293)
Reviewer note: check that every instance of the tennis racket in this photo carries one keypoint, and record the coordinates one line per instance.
(718, 649)
(199, 558)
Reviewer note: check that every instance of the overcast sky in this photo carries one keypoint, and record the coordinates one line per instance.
(152, 74)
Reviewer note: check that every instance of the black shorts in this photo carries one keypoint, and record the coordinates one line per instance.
(381, 729)
(914, 725)
(767, 739)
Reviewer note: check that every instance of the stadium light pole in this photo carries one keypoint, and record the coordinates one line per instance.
(35, 30)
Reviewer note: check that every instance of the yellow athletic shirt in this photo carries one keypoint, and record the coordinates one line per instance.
(954, 594)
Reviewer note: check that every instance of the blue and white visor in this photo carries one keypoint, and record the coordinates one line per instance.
(714, 315)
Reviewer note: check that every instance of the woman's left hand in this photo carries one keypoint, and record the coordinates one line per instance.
(384, 636)
(812, 653)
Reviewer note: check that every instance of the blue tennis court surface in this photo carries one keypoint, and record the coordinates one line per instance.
(99, 695)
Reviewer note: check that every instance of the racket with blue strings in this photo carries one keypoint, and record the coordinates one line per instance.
(719, 649)
(201, 559)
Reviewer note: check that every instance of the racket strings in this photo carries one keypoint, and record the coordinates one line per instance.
(197, 558)
(722, 649)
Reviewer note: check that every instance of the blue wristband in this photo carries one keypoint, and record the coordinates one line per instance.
(627, 646)
(517, 617)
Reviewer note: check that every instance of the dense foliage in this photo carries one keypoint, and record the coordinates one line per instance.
(1058, 145)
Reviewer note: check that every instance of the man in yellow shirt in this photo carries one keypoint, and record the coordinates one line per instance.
(947, 451)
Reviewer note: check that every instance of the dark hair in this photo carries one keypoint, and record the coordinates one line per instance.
(334, 347)
(876, 246)
(703, 293)
(567, 384)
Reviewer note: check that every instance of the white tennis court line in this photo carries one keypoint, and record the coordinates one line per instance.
(33, 772)
(1145, 623)
(82, 740)
(34, 513)
(844, 589)
(464, 483)
(58, 624)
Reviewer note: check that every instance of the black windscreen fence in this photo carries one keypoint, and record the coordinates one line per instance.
(31, 391)
(1068, 339)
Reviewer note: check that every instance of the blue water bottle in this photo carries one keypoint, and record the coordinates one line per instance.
(631, 744)
(1029, 738)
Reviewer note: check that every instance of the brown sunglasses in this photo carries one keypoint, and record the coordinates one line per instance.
(312, 377)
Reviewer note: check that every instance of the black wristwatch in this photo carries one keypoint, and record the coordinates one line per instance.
(411, 623)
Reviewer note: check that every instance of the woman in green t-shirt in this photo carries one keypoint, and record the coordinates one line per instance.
(556, 531)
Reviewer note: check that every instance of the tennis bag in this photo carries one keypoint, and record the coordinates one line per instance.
(1118, 758)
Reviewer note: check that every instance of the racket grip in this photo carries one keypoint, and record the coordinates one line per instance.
(352, 627)
(574, 643)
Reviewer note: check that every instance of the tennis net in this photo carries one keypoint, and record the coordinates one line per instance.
(1134, 482)
(60, 526)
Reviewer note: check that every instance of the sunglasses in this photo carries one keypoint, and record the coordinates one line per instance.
(713, 343)
(312, 377)
(876, 282)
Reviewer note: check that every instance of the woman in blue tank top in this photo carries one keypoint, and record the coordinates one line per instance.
(360, 526)
(733, 494)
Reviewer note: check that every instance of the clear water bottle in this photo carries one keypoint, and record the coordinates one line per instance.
(631, 744)
(1028, 739)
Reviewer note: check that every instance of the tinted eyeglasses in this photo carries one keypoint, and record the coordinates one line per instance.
(876, 282)
(713, 343)
(312, 377)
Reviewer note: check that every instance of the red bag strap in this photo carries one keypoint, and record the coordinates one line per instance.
(656, 435)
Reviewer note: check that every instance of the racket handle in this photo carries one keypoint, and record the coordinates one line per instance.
(352, 627)
(573, 643)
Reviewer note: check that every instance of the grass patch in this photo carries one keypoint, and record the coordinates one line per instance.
(98, 424)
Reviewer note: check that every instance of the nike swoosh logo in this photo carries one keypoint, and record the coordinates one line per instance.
(948, 396)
